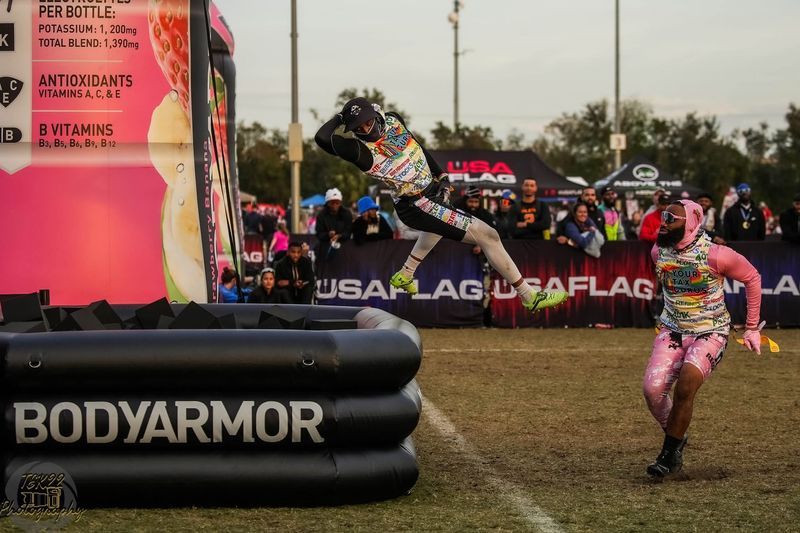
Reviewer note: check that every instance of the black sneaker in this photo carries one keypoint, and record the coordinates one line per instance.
(667, 463)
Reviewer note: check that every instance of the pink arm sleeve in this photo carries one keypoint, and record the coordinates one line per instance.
(731, 264)
(654, 253)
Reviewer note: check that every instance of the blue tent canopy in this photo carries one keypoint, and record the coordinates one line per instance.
(317, 199)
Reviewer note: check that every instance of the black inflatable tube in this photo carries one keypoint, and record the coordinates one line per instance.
(247, 315)
(168, 479)
(348, 420)
(217, 360)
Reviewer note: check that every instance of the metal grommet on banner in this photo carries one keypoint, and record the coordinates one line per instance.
(35, 361)
(308, 360)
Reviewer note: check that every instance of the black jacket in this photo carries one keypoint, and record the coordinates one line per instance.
(718, 229)
(284, 269)
(480, 213)
(503, 223)
(790, 226)
(734, 223)
(341, 222)
(260, 296)
(362, 229)
(597, 216)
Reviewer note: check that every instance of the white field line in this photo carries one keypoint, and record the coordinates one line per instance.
(518, 350)
(510, 491)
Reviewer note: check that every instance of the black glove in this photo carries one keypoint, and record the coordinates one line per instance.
(444, 189)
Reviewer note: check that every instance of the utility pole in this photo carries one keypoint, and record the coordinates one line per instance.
(453, 18)
(295, 130)
(619, 143)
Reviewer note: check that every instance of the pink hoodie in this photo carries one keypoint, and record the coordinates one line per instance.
(723, 261)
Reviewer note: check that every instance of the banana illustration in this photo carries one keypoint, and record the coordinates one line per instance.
(171, 152)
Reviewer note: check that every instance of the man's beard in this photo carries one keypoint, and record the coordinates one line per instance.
(671, 237)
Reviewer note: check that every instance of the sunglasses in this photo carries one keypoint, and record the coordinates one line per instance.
(668, 217)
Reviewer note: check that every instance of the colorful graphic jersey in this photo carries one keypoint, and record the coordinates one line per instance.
(398, 160)
(694, 297)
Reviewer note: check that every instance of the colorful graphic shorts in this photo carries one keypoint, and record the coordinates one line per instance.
(428, 214)
(670, 351)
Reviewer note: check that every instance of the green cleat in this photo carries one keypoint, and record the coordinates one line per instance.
(544, 299)
(399, 281)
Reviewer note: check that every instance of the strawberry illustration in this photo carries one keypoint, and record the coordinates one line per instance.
(169, 37)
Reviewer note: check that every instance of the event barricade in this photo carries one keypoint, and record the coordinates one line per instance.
(619, 288)
(317, 409)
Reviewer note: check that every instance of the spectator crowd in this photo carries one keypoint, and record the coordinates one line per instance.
(595, 218)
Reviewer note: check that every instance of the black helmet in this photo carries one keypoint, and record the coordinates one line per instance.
(360, 110)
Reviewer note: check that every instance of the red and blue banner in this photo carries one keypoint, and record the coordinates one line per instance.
(619, 288)
(450, 282)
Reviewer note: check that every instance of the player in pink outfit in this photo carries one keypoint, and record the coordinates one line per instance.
(694, 324)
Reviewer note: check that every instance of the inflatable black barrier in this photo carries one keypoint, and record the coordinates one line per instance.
(288, 419)
(220, 404)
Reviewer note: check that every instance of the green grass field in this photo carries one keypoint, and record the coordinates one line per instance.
(551, 425)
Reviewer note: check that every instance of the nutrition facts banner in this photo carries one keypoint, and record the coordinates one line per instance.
(106, 177)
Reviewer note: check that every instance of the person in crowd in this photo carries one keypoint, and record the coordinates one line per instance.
(295, 273)
(589, 197)
(531, 217)
(769, 217)
(252, 219)
(612, 218)
(470, 203)
(694, 324)
(388, 216)
(382, 146)
(744, 221)
(654, 206)
(790, 222)
(633, 225)
(266, 292)
(280, 242)
(269, 224)
(502, 218)
(334, 223)
(580, 231)
(370, 226)
(230, 290)
(562, 212)
(651, 224)
(711, 222)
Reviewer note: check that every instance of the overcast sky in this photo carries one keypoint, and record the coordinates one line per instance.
(526, 61)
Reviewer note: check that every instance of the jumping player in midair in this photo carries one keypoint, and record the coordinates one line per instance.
(694, 324)
(384, 148)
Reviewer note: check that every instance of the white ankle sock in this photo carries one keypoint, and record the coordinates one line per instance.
(409, 267)
(525, 292)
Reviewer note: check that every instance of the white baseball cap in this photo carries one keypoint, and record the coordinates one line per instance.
(333, 194)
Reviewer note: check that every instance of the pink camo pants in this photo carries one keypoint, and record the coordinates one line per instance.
(670, 351)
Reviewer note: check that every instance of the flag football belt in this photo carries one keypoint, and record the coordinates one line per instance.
(773, 346)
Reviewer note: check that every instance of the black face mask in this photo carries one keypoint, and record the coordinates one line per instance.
(375, 133)
(671, 238)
